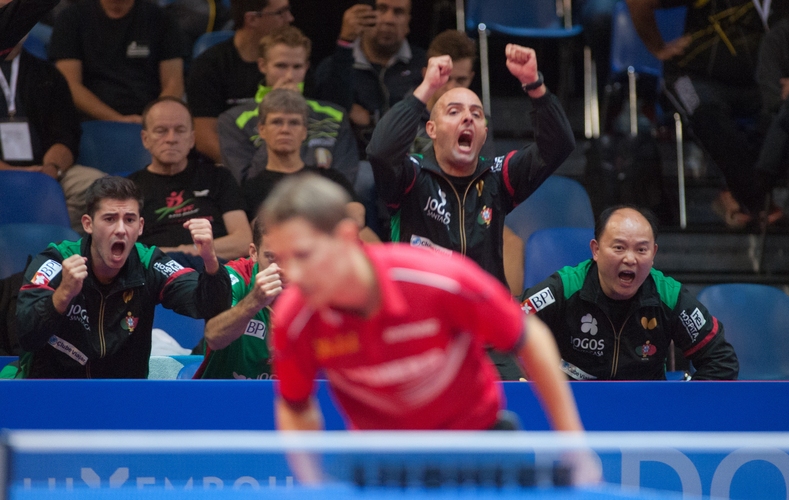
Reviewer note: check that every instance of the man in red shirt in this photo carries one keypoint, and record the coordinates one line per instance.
(399, 331)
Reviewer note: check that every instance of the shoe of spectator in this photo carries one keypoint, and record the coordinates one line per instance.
(730, 211)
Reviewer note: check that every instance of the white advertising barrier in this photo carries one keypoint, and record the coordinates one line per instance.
(719, 465)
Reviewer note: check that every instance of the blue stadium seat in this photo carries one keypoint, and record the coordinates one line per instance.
(31, 197)
(37, 42)
(754, 318)
(210, 39)
(112, 147)
(18, 241)
(187, 331)
(559, 202)
(553, 248)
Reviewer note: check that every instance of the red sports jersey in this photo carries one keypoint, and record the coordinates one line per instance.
(420, 362)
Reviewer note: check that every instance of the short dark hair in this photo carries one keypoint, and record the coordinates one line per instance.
(283, 101)
(453, 43)
(289, 36)
(318, 200)
(605, 215)
(111, 188)
(258, 229)
(164, 98)
(240, 7)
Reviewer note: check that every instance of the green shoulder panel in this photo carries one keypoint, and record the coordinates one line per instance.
(573, 277)
(668, 288)
(145, 253)
(394, 226)
(67, 248)
(330, 111)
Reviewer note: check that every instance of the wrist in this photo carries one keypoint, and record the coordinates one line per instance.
(55, 168)
(527, 87)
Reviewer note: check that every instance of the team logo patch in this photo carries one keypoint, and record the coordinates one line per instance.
(480, 186)
(46, 272)
(485, 216)
(127, 296)
(646, 350)
(589, 324)
(129, 323)
(650, 324)
(538, 301)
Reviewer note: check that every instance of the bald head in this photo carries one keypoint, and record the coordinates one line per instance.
(456, 95)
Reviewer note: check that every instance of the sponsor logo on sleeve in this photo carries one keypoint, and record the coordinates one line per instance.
(46, 272)
(256, 328)
(68, 349)
(538, 301)
(168, 268)
(692, 322)
(233, 279)
(498, 162)
(421, 241)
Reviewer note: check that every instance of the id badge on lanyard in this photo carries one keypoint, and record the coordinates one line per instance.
(14, 133)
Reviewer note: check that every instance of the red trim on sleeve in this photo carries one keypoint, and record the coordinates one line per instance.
(706, 339)
(413, 181)
(30, 286)
(176, 274)
(505, 172)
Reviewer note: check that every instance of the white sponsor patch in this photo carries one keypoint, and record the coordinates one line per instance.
(421, 241)
(538, 301)
(68, 349)
(575, 372)
(690, 325)
(497, 164)
(410, 331)
(46, 272)
(436, 208)
(169, 268)
(698, 319)
(256, 328)
(201, 194)
(233, 279)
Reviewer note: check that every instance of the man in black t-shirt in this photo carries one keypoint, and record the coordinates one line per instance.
(176, 190)
(117, 56)
(227, 73)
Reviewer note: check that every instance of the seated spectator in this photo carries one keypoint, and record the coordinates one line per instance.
(614, 316)
(117, 56)
(86, 307)
(238, 339)
(773, 77)
(711, 69)
(458, 46)
(176, 189)
(226, 74)
(284, 59)
(373, 68)
(46, 131)
(282, 119)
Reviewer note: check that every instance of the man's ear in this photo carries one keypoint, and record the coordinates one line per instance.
(142, 224)
(262, 65)
(87, 223)
(253, 252)
(595, 247)
(347, 230)
(430, 129)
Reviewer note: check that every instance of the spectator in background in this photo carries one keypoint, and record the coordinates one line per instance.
(176, 189)
(238, 338)
(283, 62)
(17, 18)
(282, 126)
(373, 67)
(117, 56)
(46, 131)
(773, 76)
(226, 74)
(86, 308)
(711, 69)
(614, 316)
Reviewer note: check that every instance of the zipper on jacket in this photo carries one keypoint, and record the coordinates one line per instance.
(617, 342)
(462, 207)
(102, 341)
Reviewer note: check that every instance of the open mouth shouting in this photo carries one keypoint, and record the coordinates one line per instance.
(627, 277)
(465, 141)
(117, 251)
